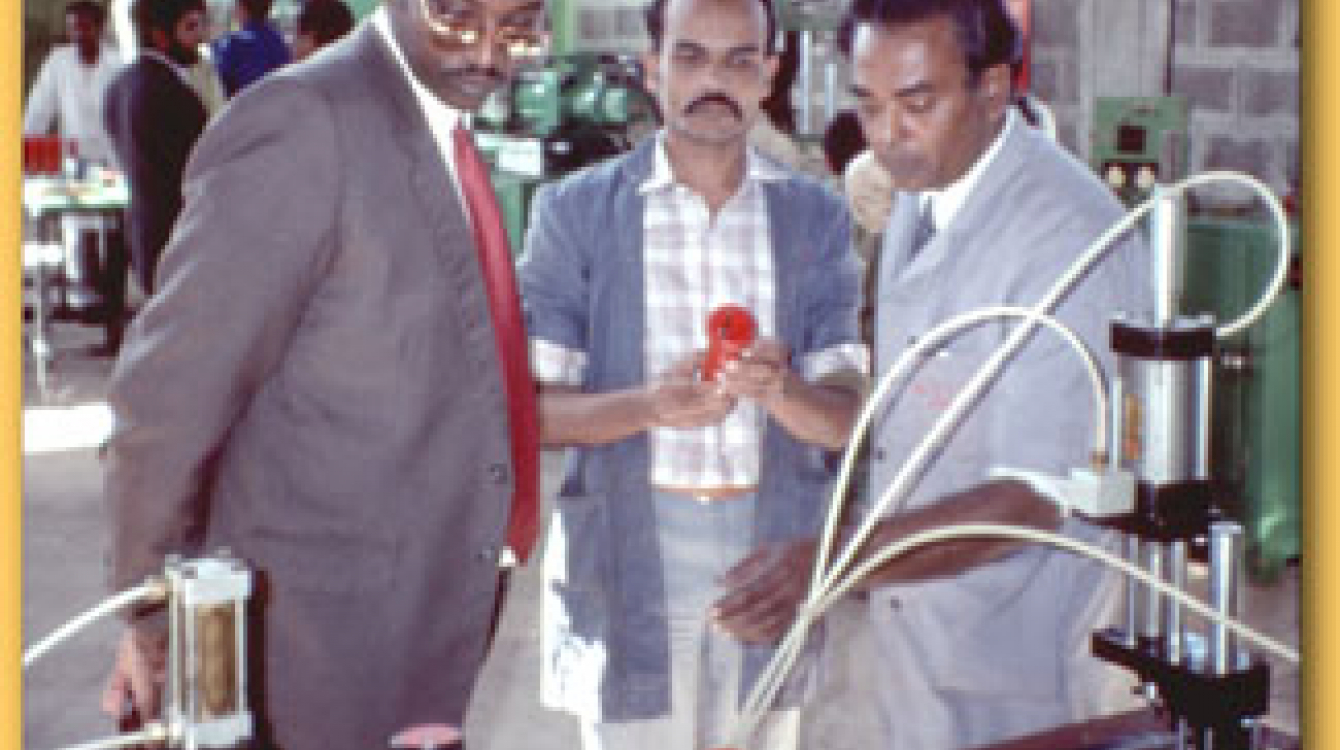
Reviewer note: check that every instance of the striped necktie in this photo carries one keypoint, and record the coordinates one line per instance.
(924, 230)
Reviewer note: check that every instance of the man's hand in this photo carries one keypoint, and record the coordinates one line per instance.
(759, 374)
(137, 677)
(764, 591)
(678, 399)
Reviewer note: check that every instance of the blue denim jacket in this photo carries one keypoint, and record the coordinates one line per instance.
(606, 642)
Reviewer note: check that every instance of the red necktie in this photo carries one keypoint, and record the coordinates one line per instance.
(495, 260)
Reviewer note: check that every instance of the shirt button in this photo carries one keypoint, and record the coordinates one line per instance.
(879, 454)
(498, 473)
(896, 605)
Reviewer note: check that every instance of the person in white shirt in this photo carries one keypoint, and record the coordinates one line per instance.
(66, 97)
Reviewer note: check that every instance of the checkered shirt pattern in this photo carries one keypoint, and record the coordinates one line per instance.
(692, 265)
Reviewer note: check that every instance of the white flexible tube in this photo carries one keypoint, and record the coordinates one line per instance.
(972, 390)
(765, 688)
(968, 395)
(151, 733)
(1281, 273)
(907, 360)
(154, 589)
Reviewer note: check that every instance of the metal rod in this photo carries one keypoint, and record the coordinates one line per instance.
(807, 82)
(1172, 609)
(1204, 400)
(1225, 562)
(830, 90)
(1132, 589)
(1116, 428)
(1165, 229)
(1152, 628)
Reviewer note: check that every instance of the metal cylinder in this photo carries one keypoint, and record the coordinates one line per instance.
(1132, 604)
(1225, 578)
(1116, 454)
(1151, 626)
(830, 90)
(1172, 609)
(1204, 407)
(806, 76)
(1168, 399)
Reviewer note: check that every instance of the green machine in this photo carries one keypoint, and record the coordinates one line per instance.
(1138, 141)
(584, 103)
(1255, 443)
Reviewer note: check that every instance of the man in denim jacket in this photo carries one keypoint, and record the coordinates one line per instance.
(674, 479)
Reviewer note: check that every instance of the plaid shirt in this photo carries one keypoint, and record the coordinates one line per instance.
(692, 265)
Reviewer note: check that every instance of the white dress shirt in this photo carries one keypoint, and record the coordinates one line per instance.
(68, 94)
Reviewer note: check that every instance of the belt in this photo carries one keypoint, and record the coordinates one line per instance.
(708, 494)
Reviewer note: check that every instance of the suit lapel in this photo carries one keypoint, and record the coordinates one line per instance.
(437, 195)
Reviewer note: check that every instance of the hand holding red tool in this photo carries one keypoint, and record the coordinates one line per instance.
(730, 330)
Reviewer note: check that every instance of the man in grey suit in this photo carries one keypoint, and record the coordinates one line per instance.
(976, 640)
(317, 387)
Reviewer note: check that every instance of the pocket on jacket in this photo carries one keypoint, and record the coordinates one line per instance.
(323, 560)
(575, 553)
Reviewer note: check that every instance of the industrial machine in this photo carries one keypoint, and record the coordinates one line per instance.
(1213, 689)
(204, 700)
(1139, 141)
(1151, 479)
(584, 102)
(1255, 445)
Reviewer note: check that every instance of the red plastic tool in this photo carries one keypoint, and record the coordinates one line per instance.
(730, 330)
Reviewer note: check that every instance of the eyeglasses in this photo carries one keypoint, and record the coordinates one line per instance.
(524, 33)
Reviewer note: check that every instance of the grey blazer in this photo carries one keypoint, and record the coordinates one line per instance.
(316, 387)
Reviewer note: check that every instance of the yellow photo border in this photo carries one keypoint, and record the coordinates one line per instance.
(1321, 171)
(1321, 313)
(11, 344)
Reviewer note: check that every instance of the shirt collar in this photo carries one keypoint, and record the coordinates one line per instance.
(435, 109)
(182, 71)
(945, 203)
(757, 168)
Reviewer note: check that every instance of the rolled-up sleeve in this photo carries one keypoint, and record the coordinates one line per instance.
(833, 283)
(553, 279)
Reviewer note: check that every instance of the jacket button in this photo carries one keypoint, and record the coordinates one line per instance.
(498, 473)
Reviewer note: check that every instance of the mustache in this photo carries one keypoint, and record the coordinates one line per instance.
(715, 97)
(493, 74)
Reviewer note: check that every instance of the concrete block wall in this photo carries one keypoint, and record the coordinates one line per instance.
(1236, 61)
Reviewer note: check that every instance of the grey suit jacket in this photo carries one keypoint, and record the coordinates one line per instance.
(316, 386)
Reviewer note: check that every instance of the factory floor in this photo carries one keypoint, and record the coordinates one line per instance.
(64, 534)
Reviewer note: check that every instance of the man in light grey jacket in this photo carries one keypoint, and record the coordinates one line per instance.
(978, 640)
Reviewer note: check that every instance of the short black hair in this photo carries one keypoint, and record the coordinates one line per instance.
(843, 139)
(654, 16)
(88, 9)
(257, 10)
(986, 32)
(160, 14)
(325, 20)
